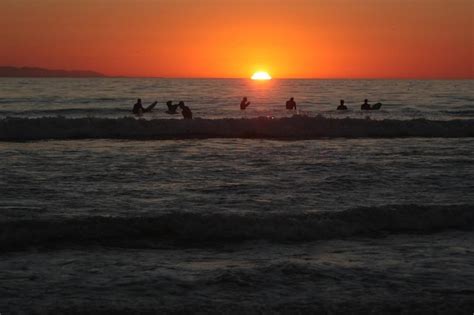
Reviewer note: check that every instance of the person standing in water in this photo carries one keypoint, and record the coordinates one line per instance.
(342, 106)
(139, 110)
(291, 104)
(244, 104)
(185, 111)
(366, 105)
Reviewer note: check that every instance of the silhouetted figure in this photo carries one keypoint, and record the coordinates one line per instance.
(376, 106)
(172, 109)
(291, 104)
(185, 111)
(366, 105)
(138, 107)
(342, 106)
(244, 104)
(139, 110)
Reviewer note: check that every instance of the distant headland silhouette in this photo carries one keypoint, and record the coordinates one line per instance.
(7, 71)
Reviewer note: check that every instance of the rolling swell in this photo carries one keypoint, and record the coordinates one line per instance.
(297, 127)
(194, 228)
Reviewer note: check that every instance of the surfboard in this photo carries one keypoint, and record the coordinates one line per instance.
(149, 108)
(377, 106)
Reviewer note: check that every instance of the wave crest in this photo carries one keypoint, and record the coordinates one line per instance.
(297, 127)
(201, 228)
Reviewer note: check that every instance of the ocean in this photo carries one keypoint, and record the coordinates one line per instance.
(220, 98)
(256, 211)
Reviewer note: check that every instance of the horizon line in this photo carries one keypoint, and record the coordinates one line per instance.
(104, 76)
(292, 78)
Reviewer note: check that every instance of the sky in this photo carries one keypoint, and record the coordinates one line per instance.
(234, 38)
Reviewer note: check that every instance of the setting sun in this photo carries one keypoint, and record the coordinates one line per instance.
(261, 75)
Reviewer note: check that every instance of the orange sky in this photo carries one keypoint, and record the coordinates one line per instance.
(234, 38)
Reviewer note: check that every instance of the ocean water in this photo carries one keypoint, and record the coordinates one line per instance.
(220, 98)
(261, 211)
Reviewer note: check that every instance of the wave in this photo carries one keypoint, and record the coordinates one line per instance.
(195, 228)
(296, 127)
(54, 113)
(466, 113)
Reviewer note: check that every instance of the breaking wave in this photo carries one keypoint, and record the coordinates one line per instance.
(296, 127)
(194, 228)
(466, 113)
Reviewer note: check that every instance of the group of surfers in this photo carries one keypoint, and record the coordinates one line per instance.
(139, 110)
(291, 105)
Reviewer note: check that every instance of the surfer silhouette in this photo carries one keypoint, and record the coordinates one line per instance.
(291, 104)
(171, 108)
(244, 104)
(366, 105)
(342, 106)
(139, 110)
(185, 111)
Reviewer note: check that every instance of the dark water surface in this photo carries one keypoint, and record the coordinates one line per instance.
(220, 98)
(375, 224)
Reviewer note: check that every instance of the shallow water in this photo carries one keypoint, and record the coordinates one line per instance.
(399, 274)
